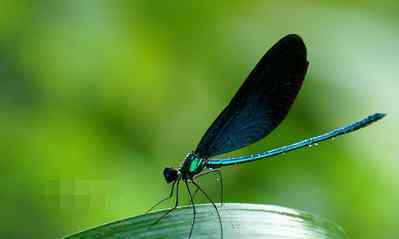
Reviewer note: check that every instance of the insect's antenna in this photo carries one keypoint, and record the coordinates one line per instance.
(213, 204)
(194, 212)
(172, 209)
(163, 200)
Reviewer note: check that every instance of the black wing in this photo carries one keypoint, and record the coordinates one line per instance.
(262, 102)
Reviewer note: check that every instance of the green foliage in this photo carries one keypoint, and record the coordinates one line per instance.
(239, 221)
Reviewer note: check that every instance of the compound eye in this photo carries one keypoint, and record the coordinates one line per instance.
(170, 174)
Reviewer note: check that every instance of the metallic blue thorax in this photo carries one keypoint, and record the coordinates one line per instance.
(192, 165)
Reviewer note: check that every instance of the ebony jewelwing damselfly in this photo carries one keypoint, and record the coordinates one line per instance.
(258, 107)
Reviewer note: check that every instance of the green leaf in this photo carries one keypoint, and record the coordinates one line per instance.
(239, 221)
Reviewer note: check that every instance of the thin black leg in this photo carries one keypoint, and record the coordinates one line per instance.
(172, 209)
(194, 212)
(163, 200)
(218, 171)
(214, 205)
(195, 192)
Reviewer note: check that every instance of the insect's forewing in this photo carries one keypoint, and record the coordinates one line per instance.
(262, 102)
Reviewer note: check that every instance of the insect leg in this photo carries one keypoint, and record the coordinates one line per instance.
(172, 209)
(218, 171)
(213, 204)
(163, 200)
(194, 212)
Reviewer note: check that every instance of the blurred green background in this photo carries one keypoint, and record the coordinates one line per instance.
(96, 97)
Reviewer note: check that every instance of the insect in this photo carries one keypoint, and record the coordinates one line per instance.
(258, 107)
